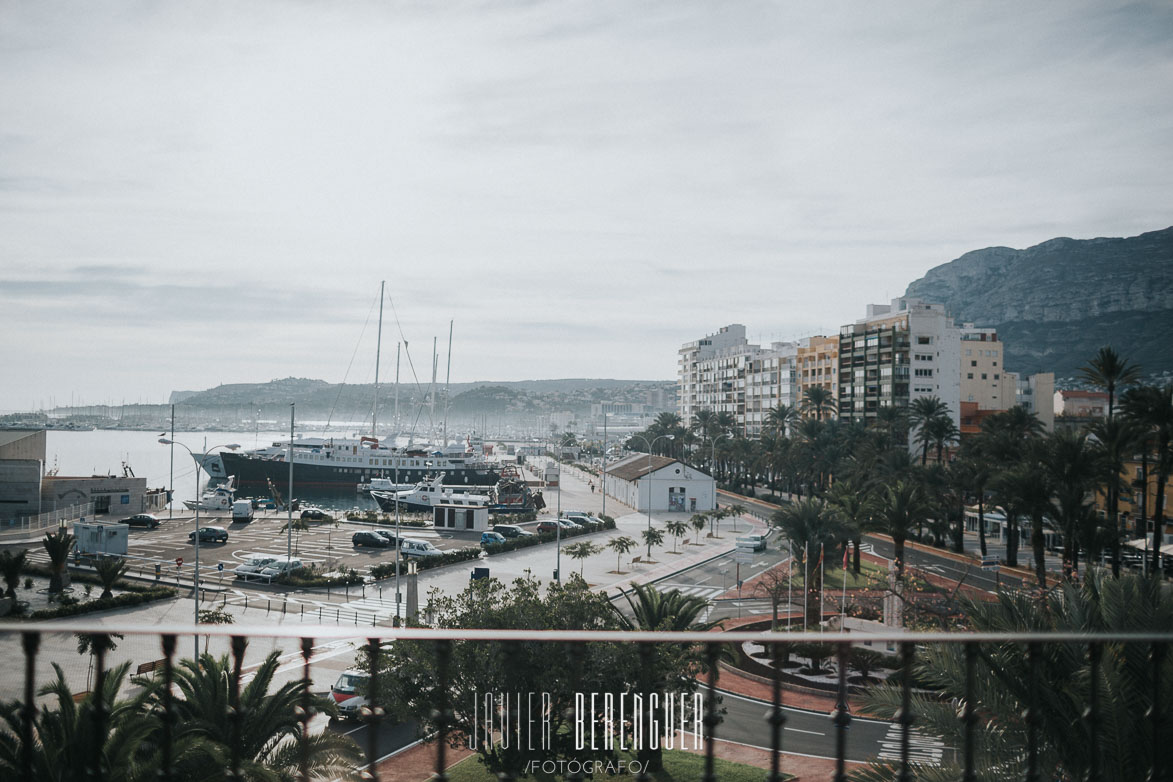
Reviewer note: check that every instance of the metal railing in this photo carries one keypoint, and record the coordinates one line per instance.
(50, 520)
(970, 711)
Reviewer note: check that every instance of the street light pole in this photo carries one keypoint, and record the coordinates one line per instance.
(289, 500)
(650, 446)
(713, 466)
(196, 577)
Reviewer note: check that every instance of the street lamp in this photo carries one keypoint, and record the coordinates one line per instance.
(650, 446)
(196, 579)
(713, 466)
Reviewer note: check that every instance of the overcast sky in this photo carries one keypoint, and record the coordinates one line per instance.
(202, 193)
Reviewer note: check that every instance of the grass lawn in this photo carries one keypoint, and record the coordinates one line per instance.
(678, 767)
(870, 576)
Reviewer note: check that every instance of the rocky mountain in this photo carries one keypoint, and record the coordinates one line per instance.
(1055, 304)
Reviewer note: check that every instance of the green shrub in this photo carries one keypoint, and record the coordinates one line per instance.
(138, 597)
(313, 577)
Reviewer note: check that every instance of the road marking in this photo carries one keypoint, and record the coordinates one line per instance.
(921, 748)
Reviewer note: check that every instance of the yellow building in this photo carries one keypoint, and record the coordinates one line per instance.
(983, 373)
(1130, 498)
(817, 364)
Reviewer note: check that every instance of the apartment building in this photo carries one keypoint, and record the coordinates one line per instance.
(1036, 393)
(983, 372)
(724, 373)
(899, 352)
(817, 364)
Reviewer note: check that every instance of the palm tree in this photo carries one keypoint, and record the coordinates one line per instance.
(65, 740)
(923, 410)
(1151, 407)
(698, 522)
(900, 508)
(1110, 371)
(974, 471)
(57, 546)
(780, 418)
(109, 570)
(1116, 436)
(621, 545)
(1074, 463)
(10, 566)
(853, 502)
(942, 432)
(817, 401)
(1056, 686)
(267, 742)
(811, 526)
(652, 537)
(581, 551)
(676, 528)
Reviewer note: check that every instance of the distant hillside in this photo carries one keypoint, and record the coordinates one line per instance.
(1055, 304)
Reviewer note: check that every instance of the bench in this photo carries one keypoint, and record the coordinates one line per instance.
(150, 667)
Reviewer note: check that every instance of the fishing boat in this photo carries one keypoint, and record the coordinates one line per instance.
(508, 495)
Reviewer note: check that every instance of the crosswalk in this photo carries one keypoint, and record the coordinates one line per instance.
(706, 592)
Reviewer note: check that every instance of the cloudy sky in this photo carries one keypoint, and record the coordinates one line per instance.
(204, 193)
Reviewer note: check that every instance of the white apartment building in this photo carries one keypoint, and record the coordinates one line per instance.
(983, 372)
(724, 373)
(899, 352)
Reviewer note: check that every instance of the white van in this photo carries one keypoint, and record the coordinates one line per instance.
(419, 548)
(280, 566)
(242, 510)
(253, 564)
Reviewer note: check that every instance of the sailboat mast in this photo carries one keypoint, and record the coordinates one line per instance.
(378, 353)
(447, 382)
(398, 428)
(432, 406)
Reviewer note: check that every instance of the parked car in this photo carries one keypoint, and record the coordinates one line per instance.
(345, 693)
(316, 514)
(364, 538)
(279, 567)
(253, 564)
(210, 535)
(583, 518)
(490, 538)
(549, 525)
(552, 525)
(419, 548)
(755, 542)
(512, 531)
(142, 520)
(390, 536)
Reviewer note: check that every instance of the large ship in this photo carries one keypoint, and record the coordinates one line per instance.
(336, 464)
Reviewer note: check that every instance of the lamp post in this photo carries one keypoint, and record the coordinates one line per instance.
(713, 466)
(650, 446)
(196, 577)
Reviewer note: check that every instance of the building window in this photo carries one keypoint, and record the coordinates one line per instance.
(973, 363)
(983, 376)
(924, 340)
(926, 373)
(969, 376)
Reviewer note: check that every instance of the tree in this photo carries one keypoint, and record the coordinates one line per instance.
(11, 563)
(1061, 680)
(901, 507)
(57, 546)
(698, 522)
(621, 545)
(812, 527)
(65, 739)
(780, 418)
(109, 571)
(817, 402)
(1110, 371)
(1117, 436)
(774, 584)
(921, 412)
(267, 740)
(1151, 407)
(676, 528)
(1074, 465)
(855, 506)
(581, 551)
(652, 537)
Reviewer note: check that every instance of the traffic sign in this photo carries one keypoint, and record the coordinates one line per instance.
(220, 567)
(989, 562)
(179, 562)
(743, 557)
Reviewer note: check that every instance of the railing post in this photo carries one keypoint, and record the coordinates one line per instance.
(969, 716)
(842, 716)
(711, 717)
(1156, 658)
(905, 717)
(31, 642)
(304, 710)
(1091, 714)
(236, 711)
(776, 717)
(167, 771)
(443, 666)
(1032, 716)
(372, 713)
(98, 645)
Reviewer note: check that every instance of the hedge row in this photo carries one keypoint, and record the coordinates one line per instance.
(512, 544)
(83, 577)
(466, 554)
(138, 597)
(310, 577)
